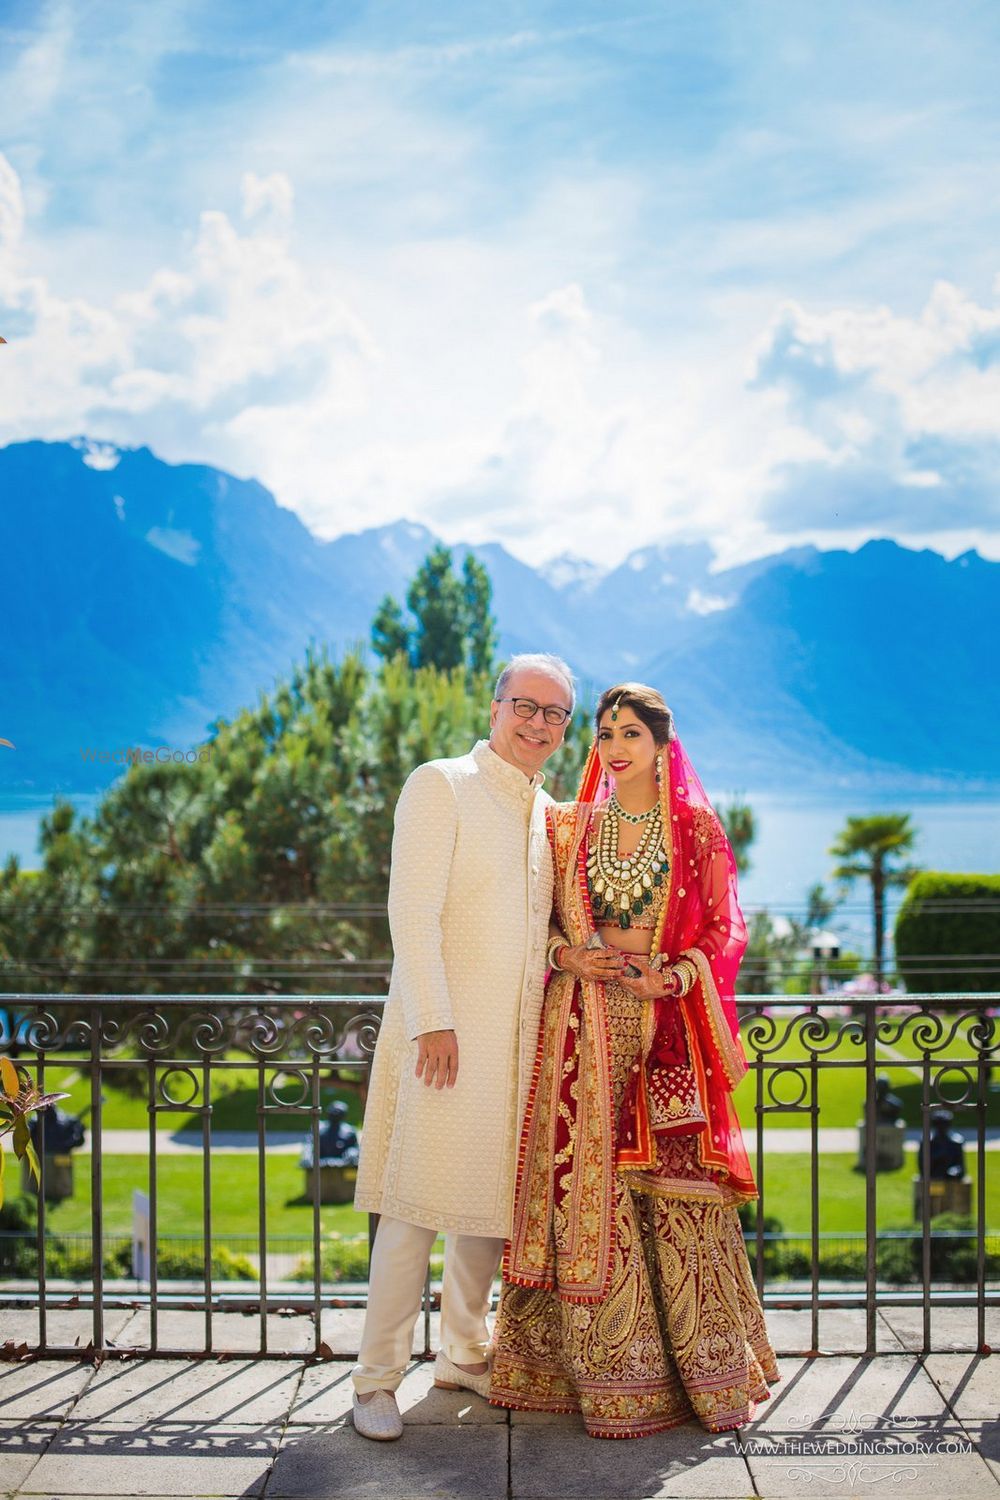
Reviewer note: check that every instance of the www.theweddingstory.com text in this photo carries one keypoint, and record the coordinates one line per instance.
(831, 1447)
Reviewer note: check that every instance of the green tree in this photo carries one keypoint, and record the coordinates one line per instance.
(450, 623)
(867, 848)
(46, 932)
(436, 600)
(480, 627)
(819, 909)
(261, 868)
(390, 637)
(741, 830)
(948, 932)
(820, 906)
(772, 964)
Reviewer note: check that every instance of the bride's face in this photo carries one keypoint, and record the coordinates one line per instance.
(626, 747)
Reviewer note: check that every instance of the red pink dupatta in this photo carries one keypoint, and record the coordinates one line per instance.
(573, 1154)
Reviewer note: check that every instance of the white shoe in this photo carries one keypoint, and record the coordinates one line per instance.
(378, 1418)
(449, 1377)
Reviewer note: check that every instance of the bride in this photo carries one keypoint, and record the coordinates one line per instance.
(627, 1290)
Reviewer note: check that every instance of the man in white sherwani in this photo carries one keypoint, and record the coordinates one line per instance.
(470, 896)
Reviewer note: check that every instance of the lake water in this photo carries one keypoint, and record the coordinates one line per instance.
(790, 854)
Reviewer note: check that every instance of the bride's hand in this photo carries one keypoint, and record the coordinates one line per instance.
(591, 963)
(649, 983)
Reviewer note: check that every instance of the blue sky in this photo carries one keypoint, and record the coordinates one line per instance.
(575, 278)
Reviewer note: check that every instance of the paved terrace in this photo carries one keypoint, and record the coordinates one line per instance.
(281, 1428)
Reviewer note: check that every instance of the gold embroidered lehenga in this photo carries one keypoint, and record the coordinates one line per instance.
(627, 1290)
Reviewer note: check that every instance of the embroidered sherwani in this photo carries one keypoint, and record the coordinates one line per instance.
(470, 895)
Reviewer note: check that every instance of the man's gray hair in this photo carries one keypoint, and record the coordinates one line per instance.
(535, 661)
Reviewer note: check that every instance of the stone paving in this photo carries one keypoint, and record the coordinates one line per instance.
(836, 1425)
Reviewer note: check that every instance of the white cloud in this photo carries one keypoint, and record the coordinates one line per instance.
(173, 363)
(907, 410)
(267, 197)
(707, 604)
(11, 206)
(460, 380)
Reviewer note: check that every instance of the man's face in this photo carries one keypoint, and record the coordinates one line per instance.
(528, 743)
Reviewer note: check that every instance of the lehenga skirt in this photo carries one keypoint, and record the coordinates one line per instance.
(680, 1334)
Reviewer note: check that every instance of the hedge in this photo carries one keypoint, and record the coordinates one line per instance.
(954, 919)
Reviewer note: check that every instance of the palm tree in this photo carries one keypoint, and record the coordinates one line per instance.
(867, 846)
(741, 830)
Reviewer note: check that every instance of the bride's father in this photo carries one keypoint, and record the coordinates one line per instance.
(470, 895)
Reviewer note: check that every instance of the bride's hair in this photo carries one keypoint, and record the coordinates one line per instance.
(645, 702)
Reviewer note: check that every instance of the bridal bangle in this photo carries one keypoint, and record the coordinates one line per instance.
(554, 945)
(686, 973)
(684, 970)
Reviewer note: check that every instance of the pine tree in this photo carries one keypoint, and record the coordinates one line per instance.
(480, 626)
(437, 603)
(390, 637)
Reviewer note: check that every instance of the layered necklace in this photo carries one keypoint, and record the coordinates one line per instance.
(621, 887)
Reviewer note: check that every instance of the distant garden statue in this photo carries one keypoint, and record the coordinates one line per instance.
(890, 1130)
(333, 1177)
(59, 1135)
(949, 1185)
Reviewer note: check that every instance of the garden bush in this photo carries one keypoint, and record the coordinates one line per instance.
(345, 1258)
(187, 1263)
(949, 917)
(340, 1259)
(953, 1253)
(748, 1220)
(18, 1251)
(69, 1258)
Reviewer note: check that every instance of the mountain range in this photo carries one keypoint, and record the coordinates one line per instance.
(143, 600)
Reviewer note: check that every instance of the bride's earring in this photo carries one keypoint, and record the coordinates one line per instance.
(607, 785)
(659, 768)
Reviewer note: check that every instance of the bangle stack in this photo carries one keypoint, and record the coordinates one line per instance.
(554, 945)
(683, 971)
(686, 973)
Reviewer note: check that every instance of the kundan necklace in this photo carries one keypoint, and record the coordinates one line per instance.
(631, 817)
(621, 887)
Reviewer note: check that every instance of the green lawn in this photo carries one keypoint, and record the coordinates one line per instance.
(179, 1195)
(786, 1193)
(841, 1090)
(234, 1196)
(234, 1099)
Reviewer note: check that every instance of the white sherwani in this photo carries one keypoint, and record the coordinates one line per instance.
(470, 895)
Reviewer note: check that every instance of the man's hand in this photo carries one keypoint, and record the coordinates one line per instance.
(437, 1058)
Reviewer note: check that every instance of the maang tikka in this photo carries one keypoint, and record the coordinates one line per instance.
(614, 719)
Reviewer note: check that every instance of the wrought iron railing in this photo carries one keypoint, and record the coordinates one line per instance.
(182, 1048)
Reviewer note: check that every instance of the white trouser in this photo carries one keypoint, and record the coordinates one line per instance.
(395, 1284)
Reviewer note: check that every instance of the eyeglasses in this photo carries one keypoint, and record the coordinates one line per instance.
(527, 708)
